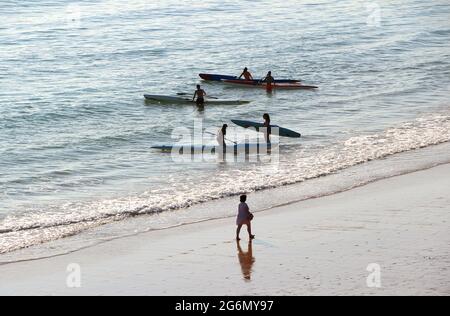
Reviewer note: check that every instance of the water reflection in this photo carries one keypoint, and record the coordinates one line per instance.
(246, 260)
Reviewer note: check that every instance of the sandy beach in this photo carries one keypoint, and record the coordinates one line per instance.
(113, 115)
(317, 247)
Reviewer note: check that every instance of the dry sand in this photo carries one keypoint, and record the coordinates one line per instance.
(317, 247)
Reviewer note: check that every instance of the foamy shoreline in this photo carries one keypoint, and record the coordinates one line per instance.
(47, 242)
(319, 246)
(47, 223)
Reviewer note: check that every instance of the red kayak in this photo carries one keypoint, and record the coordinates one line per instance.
(213, 77)
(251, 84)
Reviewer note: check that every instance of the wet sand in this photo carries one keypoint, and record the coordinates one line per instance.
(316, 247)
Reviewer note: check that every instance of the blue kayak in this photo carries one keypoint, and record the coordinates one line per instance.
(245, 148)
(259, 127)
(213, 77)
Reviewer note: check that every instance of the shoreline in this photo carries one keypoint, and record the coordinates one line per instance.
(324, 230)
(48, 223)
(213, 219)
(413, 158)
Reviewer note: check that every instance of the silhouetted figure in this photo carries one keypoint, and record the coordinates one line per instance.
(270, 81)
(246, 260)
(247, 75)
(221, 134)
(244, 218)
(200, 95)
(268, 128)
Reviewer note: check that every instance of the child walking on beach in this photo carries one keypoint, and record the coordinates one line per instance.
(244, 218)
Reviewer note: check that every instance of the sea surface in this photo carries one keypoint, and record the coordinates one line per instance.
(76, 133)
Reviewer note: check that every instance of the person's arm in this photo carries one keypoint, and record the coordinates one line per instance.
(241, 75)
(195, 94)
(249, 214)
(251, 77)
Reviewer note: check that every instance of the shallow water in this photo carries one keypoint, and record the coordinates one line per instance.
(76, 132)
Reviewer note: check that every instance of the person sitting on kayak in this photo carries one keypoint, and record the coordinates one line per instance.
(269, 80)
(267, 127)
(247, 75)
(221, 134)
(200, 94)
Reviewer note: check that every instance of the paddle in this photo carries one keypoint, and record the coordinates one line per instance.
(182, 93)
(225, 138)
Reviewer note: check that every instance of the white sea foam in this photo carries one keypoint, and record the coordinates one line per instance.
(18, 231)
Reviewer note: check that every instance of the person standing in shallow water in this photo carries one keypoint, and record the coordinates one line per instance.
(269, 80)
(244, 218)
(221, 134)
(200, 94)
(267, 127)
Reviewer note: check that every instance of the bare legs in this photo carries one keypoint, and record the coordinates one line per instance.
(249, 230)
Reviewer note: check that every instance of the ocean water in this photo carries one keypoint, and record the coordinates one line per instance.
(76, 134)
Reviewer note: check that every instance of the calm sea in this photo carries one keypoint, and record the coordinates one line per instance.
(76, 134)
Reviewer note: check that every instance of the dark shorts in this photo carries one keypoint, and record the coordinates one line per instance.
(200, 101)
